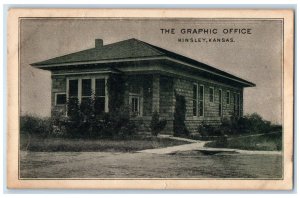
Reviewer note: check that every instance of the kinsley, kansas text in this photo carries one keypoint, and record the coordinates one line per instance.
(206, 40)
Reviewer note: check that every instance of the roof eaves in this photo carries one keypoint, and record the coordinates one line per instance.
(101, 61)
(229, 76)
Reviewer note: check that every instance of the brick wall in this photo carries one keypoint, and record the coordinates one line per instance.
(58, 86)
(211, 109)
(166, 101)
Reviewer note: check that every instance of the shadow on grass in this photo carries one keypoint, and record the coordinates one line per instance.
(39, 144)
(265, 142)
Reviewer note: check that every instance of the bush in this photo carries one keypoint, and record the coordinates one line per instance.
(248, 124)
(179, 126)
(209, 130)
(58, 121)
(116, 90)
(112, 125)
(33, 125)
(157, 125)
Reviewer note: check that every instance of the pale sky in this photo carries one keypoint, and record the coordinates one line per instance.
(255, 57)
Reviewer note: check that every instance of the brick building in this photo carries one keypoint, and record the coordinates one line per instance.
(153, 77)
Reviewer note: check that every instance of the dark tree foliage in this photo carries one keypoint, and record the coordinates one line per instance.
(179, 116)
(116, 88)
(248, 124)
(156, 124)
(32, 125)
(85, 122)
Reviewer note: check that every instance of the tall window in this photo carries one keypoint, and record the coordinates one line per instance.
(234, 103)
(135, 105)
(86, 90)
(198, 100)
(195, 99)
(211, 94)
(228, 97)
(73, 88)
(220, 102)
(238, 105)
(99, 96)
(201, 100)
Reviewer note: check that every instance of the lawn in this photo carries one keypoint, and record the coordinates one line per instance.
(266, 142)
(89, 145)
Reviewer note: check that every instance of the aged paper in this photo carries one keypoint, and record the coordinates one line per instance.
(228, 66)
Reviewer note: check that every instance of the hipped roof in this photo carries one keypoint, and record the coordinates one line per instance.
(132, 49)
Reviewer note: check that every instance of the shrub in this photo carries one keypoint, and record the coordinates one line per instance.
(179, 126)
(209, 130)
(116, 90)
(83, 121)
(156, 124)
(33, 125)
(58, 121)
(253, 123)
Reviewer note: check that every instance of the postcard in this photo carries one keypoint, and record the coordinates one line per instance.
(150, 99)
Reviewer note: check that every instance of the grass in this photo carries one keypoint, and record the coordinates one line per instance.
(88, 145)
(266, 142)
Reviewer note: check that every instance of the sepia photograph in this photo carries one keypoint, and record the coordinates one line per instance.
(171, 98)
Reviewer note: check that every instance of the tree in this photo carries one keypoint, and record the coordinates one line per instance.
(156, 124)
(179, 126)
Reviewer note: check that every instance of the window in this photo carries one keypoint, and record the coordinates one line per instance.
(135, 100)
(234, 103)
(86, 90)
(135, 104)
(228, 97)
(211, 94)
(60, 99)
(198, 100)
(201, 100)
(73, 88)
(83, 89)
(238, 105)
(195, 99)
(99, 96)
(220, 103)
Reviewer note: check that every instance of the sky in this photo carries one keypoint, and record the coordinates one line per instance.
(256, 56)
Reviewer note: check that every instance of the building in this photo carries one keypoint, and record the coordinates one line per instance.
(153, 77)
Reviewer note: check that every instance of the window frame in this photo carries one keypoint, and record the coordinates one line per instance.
(55, 99)
(228, 97)
(93, 84)
(81, 90)
(238, 102)
(213, 94)
(105, 91)
(197, 99)
(139, 97)
(68, 88)
(220, 102)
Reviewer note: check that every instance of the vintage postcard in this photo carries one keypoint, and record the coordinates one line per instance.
(150, 99)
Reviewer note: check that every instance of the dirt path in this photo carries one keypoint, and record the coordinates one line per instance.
(197, 145)
(173, 149)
